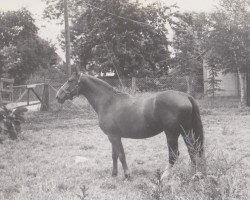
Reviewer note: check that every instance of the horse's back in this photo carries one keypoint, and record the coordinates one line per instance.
(173, 99)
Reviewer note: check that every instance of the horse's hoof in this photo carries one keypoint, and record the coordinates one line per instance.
(114, 174)
(127, 176)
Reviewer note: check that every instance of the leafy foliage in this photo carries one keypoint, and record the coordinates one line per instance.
(119, 36)
(230, 39)
(221, 39)
(213, 81)
(189, 42)
(106, 37)
(132, 48)
(230, 34)
(22, 52)
(11, 121)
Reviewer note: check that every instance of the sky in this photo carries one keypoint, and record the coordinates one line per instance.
(51, 30)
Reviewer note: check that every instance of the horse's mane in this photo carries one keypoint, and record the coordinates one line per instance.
(104, 84)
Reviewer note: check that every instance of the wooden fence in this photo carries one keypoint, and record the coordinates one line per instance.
(43, 98)
(6, 90)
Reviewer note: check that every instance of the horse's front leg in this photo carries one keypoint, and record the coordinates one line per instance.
(115, 158)
(117, 147)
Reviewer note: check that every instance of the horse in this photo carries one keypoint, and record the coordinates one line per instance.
(121, 115)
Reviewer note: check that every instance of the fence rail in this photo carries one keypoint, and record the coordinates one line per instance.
(129, 85)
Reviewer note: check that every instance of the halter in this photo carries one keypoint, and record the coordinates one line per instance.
(76, 88)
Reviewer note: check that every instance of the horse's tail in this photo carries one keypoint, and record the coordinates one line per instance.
(197, 126)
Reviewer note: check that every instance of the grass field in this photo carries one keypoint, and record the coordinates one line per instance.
(58, 153)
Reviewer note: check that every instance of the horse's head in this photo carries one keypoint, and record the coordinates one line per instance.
(70, 89)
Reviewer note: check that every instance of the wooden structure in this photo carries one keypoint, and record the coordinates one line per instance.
(248, 86)
(44, 100)
(6, 90)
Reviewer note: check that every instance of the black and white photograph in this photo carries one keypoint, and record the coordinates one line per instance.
(124, 99)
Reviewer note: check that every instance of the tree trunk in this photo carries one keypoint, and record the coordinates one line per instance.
(133, 85)
(45, 98)
(242, 84)
(190, 85)
(205, 75)
(248, 86)
(67, 37)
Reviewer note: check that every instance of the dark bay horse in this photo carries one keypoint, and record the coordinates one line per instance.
(123, 116)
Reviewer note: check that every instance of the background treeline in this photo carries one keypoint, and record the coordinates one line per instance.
(133, 39)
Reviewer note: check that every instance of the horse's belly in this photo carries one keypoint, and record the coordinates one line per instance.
(140, 131)
(140, 135)
(138, 120)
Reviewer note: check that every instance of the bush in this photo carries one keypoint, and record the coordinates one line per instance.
(10, 121)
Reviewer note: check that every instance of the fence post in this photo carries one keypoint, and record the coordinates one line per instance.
(45, 98)
(133, 84)
(248, 86)
(28, 97)
(1, 87)
(1, 98)
(6, 87)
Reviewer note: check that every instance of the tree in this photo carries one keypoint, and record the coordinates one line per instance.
(230, 38)
(189, 44)
(16, 26)
(22, 52)
(67, 37)
(11, 121)
(119, 36)
(214, 67)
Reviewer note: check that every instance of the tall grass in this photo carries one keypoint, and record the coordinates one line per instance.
(225, 180)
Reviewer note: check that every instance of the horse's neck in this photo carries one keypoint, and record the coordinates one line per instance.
(97, 94)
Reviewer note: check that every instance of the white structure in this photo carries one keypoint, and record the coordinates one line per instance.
(229, 83)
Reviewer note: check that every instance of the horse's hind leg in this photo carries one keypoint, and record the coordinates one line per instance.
(173, 151)
(118, 151)
(195, 149)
